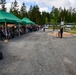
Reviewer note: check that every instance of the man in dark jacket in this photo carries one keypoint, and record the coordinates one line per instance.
(61, 32)
(2, 35)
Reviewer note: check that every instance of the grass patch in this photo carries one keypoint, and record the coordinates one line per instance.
(55, 27)
(50, 27)
(72, 31)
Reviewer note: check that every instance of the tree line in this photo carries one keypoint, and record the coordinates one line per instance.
(54, 17)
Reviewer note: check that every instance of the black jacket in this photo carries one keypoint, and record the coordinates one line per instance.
(61, 30)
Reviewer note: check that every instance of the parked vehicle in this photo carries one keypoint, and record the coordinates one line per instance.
(46, 27)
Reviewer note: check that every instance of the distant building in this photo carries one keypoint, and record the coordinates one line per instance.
(69, 25)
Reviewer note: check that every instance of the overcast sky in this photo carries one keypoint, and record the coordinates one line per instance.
(44, 5)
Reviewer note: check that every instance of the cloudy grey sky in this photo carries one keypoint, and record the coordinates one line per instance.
(45, 5)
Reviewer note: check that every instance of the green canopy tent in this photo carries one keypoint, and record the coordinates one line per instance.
(15, 19)
(6, 17)
(27, 21)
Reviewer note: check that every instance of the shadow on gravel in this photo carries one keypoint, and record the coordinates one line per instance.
(9, 59)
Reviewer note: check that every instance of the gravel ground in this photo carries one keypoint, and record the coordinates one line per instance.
(37, 53)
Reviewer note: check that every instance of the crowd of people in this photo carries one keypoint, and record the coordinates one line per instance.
(13, 31)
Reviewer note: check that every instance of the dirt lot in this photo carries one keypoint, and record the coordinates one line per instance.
(38, 53)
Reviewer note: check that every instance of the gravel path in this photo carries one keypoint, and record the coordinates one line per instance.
(37, 53)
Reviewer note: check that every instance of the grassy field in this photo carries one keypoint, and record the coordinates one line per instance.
(73, 30)
(55, 27)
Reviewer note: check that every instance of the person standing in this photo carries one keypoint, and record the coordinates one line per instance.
(61, 31)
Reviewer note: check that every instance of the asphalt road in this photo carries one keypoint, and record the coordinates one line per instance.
(38, 53)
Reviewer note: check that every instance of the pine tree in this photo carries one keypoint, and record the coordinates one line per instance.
(15, 8)
(35, 14)
(23, 11)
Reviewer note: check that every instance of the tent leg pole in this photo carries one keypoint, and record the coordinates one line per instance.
(6, 30)
(19, 29)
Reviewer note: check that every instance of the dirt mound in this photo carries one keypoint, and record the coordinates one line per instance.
(65, 34)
